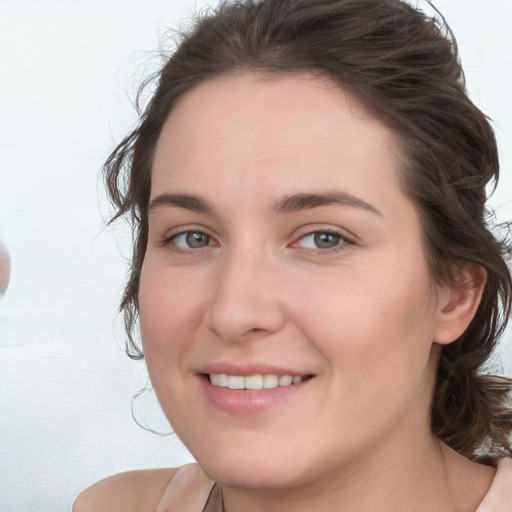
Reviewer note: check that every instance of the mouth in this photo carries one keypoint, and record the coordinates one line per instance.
(255, 382)
(252, 389)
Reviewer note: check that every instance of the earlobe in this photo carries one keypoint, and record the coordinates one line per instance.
(458, 303)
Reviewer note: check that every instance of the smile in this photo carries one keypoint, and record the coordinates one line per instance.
(268, 381)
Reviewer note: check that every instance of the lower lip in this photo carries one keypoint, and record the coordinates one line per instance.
(250, 401)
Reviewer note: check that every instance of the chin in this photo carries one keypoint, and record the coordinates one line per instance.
(252, 474)
(271, 462)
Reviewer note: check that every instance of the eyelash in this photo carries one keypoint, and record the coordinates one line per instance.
(342, 241)
(170, 241)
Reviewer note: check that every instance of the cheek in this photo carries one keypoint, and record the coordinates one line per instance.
(373, 327)
(168, 310)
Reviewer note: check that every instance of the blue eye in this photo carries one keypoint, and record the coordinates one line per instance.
(191, 240)
(322, 240)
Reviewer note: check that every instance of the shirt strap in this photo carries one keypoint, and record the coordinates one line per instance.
(499, 497)
(188, 491)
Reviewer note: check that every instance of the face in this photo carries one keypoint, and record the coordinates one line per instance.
(287, 313)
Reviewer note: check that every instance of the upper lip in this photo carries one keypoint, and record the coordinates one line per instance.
(248, 369)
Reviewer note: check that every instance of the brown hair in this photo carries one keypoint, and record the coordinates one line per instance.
(404, 66)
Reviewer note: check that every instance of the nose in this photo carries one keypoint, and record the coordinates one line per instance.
(246, 302)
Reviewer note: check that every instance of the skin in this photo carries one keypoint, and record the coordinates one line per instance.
(361, 315)
(5, 267)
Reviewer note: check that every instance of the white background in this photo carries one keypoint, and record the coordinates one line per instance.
(67, 72)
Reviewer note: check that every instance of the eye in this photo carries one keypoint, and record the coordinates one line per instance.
(190, 240)
(322, 240)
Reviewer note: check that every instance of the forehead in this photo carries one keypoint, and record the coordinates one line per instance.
(284, 129)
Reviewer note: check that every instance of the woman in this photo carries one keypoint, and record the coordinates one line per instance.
(315, 282)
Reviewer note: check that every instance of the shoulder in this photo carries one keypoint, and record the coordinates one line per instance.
(133, 491)
(500, 493)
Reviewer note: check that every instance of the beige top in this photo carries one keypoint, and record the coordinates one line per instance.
(191, 491)
(499, 497)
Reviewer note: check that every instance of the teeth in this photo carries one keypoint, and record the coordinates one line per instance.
(285, 380)
(253, 381)
(270, 381)
(236, 382)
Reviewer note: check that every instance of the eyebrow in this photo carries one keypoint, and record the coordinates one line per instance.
(287, 204)
(186, 201)
(306, 201)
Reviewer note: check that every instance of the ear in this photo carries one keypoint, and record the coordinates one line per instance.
(458, 302)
